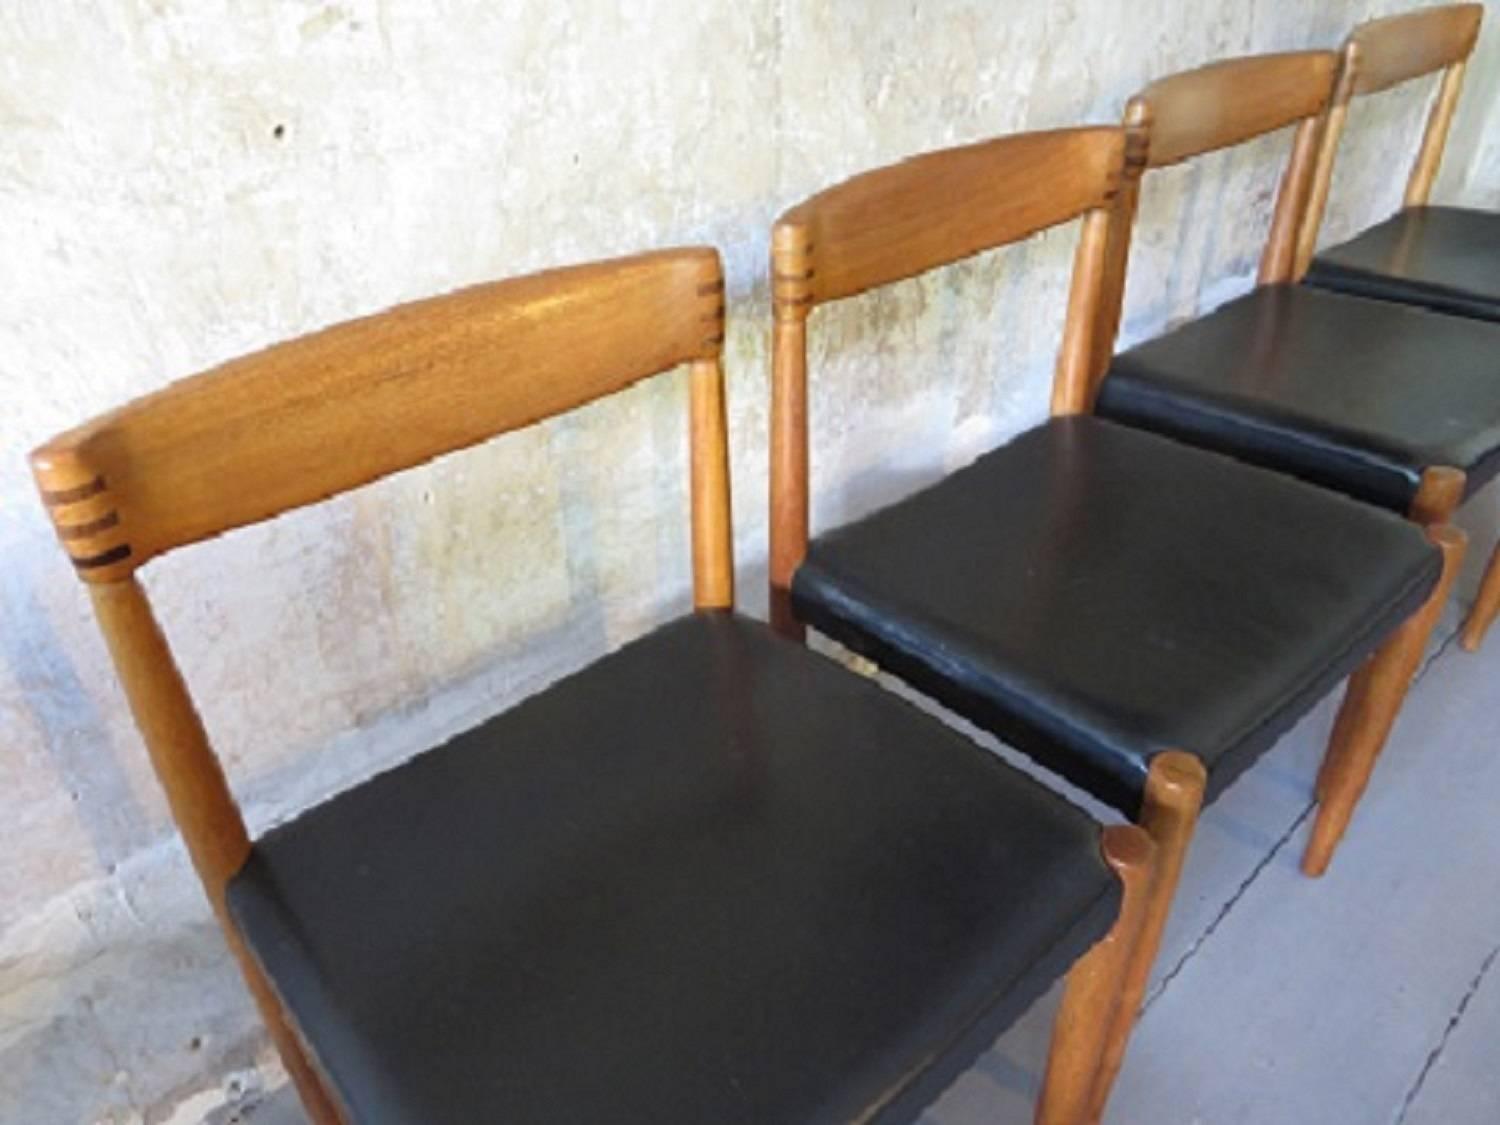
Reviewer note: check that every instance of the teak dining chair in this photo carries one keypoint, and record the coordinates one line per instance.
(1102, 598)
(1391, 404)
(710, 877)
(1442, 258)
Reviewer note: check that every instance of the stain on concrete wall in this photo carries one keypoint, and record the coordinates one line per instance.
(186, 181)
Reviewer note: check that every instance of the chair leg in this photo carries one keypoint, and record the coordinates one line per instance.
(314, 1095)
(1095, 985)
(783, 620)
(1369, 710)
(1486, 606)
(1169, 814)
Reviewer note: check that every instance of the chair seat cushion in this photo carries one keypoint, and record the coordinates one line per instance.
(1350, 393)
(1094, 595)
(1444, 258)
(713, 877)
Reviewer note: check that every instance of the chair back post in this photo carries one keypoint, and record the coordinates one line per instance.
(1329, 135)
(1081, 361)
(1122, 213)
(791, 302)
(197, 792)
(713, 525)
(1435, 135)
(1278, 262)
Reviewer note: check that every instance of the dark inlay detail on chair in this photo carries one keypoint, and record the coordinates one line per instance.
(54, 497)
(711, 287)
(88, 530)
(113, 555)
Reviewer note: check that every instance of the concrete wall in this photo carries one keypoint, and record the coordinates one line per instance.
(184, 181)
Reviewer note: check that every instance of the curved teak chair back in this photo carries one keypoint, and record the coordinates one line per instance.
(1384, 53)
(903, 220)
(325, 413)
(1214, 107)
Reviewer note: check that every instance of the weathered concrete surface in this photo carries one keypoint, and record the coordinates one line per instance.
(186, 181)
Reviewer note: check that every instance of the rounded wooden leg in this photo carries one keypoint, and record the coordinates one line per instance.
(783, 620)
(1095, 985)
(1369, 710)
(1486, 606)
(316, 1100)
(1169, 814)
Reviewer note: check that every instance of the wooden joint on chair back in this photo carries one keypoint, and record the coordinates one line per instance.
(793, 272)
(86, 517)
(711, 316)
(1137, 125)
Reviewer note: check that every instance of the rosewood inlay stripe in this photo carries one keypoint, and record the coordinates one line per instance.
(72, 495)
(87, 530)
(113, 555)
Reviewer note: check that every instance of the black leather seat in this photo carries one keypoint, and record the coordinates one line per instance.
(711, 878)
(1350, 393)
(1095, 594)
(1443, 258)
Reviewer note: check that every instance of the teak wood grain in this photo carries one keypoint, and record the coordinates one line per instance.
(940, 207)
(1231, 101)
(326, 413)
(1399, 48)
(905, 219)
(319, 415)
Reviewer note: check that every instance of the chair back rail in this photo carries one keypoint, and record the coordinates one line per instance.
(1229, 102)
(1399, 48)
(940, 207)
(316, 416)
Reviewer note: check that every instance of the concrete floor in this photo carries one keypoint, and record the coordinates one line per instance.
(1365, 997)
